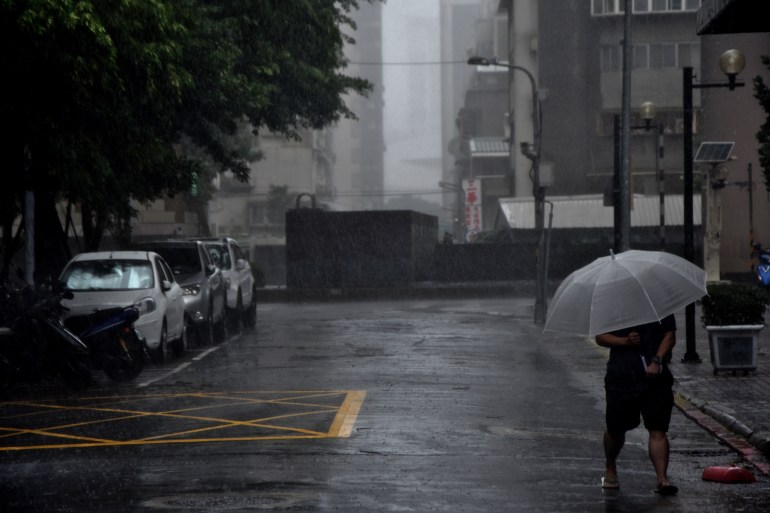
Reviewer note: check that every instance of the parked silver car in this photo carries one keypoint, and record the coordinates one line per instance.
(239, 280)
(106, 279)
(203, 286)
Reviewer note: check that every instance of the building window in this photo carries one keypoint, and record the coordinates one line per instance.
(652, 56)
(610, 7)
(689, 55)
(640, 58)
(662, 55)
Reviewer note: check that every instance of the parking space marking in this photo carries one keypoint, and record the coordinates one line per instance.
(196, 418)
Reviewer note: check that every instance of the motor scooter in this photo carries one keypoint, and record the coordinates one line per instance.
(116, 346)
(34, 344)
(763, 263)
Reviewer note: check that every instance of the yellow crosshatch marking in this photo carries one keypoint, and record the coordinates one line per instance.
(178, 418)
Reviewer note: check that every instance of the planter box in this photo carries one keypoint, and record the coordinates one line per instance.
(734, 348)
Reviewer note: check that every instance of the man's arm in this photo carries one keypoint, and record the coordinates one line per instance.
(664, 349)
(667, 344)
(610, 340)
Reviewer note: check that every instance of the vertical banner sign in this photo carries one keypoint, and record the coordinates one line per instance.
(473, 222)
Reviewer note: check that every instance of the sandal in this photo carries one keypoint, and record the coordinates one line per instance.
(610, 484)
(666, 488)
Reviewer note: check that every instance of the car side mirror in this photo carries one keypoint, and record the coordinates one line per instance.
(241, 264)
(211, 269)
(165, 285)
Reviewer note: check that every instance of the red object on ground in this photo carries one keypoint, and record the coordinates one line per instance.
(728, 475)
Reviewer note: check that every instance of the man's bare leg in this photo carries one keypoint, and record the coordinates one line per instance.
(612, 447)
(658, 448)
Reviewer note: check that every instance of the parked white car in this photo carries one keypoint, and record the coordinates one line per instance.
(108, 279)
(239, 280)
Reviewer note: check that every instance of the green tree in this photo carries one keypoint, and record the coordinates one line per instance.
(762, 93)
(118, 100)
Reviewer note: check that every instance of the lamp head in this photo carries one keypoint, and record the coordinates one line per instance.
(731, 63)
(479, 61)
(647, 112)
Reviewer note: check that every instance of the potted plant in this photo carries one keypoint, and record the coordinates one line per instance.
(734, 314)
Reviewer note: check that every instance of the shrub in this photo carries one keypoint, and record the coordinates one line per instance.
(734, 304)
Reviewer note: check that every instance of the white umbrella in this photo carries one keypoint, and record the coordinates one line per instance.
(623, 290)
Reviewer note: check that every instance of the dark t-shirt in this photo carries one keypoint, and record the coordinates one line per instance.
(626, 365)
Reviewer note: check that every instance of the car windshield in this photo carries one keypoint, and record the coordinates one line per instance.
(109, 275)
(182, 260)
(220, 255)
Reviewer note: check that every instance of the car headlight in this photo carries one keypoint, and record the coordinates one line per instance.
(145, 305)
(192, 290)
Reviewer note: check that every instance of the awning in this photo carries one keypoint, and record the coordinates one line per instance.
(588, 211)
(730, 17)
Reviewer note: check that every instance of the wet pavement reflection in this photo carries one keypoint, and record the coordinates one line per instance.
(414, 405)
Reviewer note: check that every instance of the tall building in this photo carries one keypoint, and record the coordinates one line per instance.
(458, 30)
(358, 145)
(574, 52)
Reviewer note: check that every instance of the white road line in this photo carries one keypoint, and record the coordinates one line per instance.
(205, 353)
(164, 376)
(180, 367)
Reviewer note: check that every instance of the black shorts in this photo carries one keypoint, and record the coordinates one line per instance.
(653, 402)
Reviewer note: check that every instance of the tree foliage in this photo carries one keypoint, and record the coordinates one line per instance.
(762, 93)
(113, 100)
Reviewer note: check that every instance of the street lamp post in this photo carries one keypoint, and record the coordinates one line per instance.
(460, 223)
(731, 63)
(532, 152)
(647, 112)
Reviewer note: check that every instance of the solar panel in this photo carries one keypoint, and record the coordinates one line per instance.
(714, 152)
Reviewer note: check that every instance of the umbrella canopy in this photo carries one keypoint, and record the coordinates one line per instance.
(623, 290)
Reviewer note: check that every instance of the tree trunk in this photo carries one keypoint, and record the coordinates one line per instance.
(51, 249)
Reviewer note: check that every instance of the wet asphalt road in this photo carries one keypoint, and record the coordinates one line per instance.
(398, 406)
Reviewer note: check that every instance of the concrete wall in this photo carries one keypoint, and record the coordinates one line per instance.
(399, 248)
(358, 249)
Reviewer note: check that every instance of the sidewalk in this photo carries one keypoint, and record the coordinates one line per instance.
(734, 407)
(739, 402)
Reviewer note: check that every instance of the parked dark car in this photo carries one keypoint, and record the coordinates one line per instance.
(202, 283)
(239, 280)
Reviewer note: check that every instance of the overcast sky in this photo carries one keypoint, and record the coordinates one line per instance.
(412, 102)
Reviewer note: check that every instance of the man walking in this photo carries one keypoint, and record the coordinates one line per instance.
(639, 383)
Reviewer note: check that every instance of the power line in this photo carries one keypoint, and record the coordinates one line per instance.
(403, 63)
(392, 193)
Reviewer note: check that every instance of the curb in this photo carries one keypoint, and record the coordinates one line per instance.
(416, 291)
(733, 433)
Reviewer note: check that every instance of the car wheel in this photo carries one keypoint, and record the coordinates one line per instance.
(250, 313)
(222, 328)
(180, 344)
(206, 330)
(161, 352)
(236, 315)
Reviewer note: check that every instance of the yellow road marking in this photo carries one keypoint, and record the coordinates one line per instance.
(284, 423)
(343, 422)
